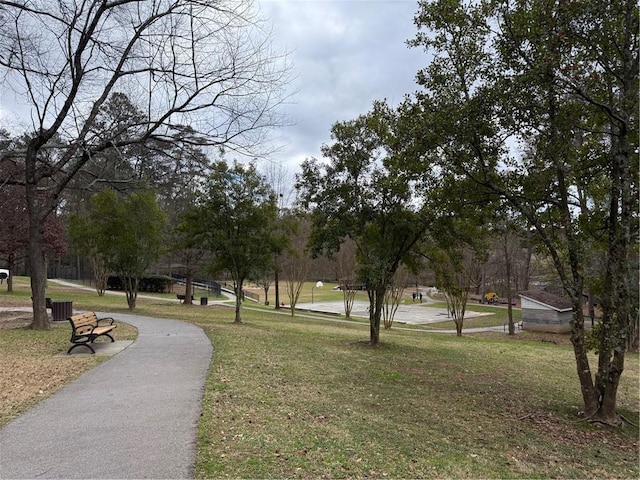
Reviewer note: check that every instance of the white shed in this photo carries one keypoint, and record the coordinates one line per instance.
(545, 312)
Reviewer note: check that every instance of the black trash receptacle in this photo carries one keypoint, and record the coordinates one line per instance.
(204, 300)
(61, 310)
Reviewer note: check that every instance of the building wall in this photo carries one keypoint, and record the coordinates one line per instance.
(546, 320)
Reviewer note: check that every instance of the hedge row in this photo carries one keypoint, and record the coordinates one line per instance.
(153, 283)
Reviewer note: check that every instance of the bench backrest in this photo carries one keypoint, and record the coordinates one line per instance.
(83, 322)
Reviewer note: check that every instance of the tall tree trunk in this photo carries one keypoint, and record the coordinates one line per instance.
(574, 286)
(615, 300)
(188, 289)
(37, 261)
(592, 307)
(589, 393)
(37, 265)
(237, 288)
(11, 265)
(507, 259)
(275, 273)
(527, 265)
(376, 299)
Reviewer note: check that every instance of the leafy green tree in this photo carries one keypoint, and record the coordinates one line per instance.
(85, 237)
(126, 234)
(536, 103)
(364, 194)
(235, 220)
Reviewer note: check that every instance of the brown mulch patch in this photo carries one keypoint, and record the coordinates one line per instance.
(520, 336)
(30, 369)
(30, 365)
(557, 429)
(14, 319)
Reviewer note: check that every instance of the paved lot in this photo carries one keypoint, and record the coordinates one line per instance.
(410, 313)
(133, 416)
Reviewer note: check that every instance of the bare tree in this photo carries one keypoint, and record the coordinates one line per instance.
(393, 297)
(295, 269)
(277, 176)
(196, 64)
(508, 244)
(452, 266)
(295, 261)
(345, 272)
(281, 181)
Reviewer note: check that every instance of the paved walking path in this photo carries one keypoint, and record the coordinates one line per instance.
(133, 416)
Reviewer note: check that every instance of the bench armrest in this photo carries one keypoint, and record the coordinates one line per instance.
(107, 320)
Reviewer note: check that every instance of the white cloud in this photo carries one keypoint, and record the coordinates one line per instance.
(346, 54)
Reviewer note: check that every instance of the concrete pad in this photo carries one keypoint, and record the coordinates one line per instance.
(103, 349)
(408, 313)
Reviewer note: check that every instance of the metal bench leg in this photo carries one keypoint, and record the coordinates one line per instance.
(81, 345)
(103, 335)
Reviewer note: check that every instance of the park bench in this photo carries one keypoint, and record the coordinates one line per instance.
(86, 327)
(182, 297)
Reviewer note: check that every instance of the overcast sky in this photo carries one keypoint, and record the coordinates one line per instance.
(345, 54)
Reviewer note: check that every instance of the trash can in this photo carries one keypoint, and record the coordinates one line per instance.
(204, 300)
(61, 310)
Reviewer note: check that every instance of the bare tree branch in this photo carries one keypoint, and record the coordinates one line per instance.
(208, 66)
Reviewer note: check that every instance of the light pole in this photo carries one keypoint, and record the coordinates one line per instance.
(318, 284)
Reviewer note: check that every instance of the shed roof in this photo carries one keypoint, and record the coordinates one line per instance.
(548, 299)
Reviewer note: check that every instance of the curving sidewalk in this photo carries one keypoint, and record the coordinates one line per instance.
(133, 416)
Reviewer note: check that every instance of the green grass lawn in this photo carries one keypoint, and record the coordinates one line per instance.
(312, 400)
(293, 397)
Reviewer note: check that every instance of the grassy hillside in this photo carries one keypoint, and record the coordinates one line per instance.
(307, 398)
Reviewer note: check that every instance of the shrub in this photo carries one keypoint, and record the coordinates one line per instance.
(151, 284)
